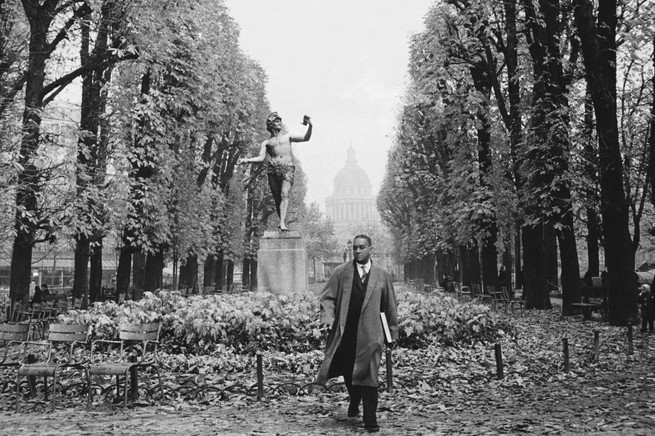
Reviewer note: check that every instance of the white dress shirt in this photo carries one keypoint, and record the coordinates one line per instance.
(367, 267)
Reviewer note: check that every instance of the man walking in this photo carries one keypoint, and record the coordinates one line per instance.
(351, 303)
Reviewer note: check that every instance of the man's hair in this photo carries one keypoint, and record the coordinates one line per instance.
(363, 237)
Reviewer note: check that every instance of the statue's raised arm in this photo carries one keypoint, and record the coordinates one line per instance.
(306, 121)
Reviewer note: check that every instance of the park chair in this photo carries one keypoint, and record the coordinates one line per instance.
(12, 335)
(40, 320)
(496, 295)
(492, 295)
(477, 293)
(61, 306)
(66, 348)
(138, 349)
(465, 292)
(20, 312)
(513, 302)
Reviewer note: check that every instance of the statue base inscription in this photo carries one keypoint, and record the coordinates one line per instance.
(282, 263)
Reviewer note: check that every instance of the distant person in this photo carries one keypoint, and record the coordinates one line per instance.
(45, 289)
(351, 303)
(32, 290)
(37, 298)
(646, 303)
(280, 167)
(447, 283)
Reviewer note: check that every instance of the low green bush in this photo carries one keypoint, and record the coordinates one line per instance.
(251, 322)
(440, 318)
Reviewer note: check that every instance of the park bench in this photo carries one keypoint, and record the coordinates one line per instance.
(594, 299)
(57, 352)
(137, 349)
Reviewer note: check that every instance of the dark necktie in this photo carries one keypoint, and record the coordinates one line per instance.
(364, 273)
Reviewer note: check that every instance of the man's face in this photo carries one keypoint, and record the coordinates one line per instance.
(277, 123)
(361, 250)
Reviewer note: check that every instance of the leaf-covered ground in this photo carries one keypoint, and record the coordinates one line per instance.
(437, 391)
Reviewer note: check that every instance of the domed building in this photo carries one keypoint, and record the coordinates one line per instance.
(351, 202)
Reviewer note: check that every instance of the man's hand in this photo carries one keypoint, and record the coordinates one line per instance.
(306, 120)
(241, 161)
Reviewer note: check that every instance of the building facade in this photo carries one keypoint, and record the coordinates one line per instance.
(352, 208)
(352, 202)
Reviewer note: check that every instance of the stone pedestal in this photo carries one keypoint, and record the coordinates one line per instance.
(282, 263)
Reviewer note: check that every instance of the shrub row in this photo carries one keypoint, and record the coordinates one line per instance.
(251, 322)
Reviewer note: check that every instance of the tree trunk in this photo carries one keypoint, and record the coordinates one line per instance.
(591, 157)
(154, 270)
(253, 275)
(189, 274)
(245, 276)
(124, 272)
(138, 273)
(535, 260)
(209, 276)
(470, 265)
(28, 185)
(220, 271)
(651, 141)
(21, 270)
(230, 273)
(552, 267)
(95, 275)
(81, 273)
(599, 48)
(92, 152)
(549, 152)
(514, 125)
(507, 261)
(489, 255)
(571, 287)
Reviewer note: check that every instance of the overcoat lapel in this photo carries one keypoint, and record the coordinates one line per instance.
(347, 288)
(373, 277)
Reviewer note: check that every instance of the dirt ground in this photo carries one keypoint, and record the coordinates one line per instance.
(611, 405)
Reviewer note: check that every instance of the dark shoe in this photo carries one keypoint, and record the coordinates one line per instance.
(372, 428)
(353, 411)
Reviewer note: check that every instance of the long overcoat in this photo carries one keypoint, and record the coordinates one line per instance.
(379, 297)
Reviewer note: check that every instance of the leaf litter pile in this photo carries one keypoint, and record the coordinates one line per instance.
(436, 390)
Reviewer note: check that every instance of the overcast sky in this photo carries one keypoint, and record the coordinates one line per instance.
(344, 63)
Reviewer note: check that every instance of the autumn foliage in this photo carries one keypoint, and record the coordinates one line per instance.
(254, 322)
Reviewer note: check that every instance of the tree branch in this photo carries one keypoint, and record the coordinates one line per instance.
(84, 9)
(66, 79)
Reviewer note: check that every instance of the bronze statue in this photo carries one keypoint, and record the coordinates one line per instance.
(280, 168)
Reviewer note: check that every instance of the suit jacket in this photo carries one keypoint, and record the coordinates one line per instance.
(380, 297)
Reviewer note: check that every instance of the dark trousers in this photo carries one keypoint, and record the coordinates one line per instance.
(368, 395)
